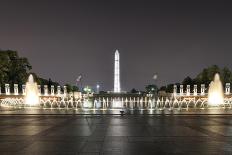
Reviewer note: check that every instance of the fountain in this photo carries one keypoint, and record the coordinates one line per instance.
(117, 103)
(215, 93)
(87, 103)
(32, 94)
(32, 97)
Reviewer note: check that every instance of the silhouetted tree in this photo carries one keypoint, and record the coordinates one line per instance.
(75, 88)
(15, 69)
(204, 77)
(163, 88)
(151, 88)
(226, 75)
(134, 91)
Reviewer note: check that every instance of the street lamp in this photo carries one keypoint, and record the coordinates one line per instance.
(98, 86)
(155, 76)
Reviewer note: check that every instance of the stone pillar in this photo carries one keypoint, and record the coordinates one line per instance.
(188, 90)
(174, 90)
(16, 89)
(107, 102)
(227, 89)
(45, 90)
(195, 90)
(7, 89)
(202, 89)
(103, 103)
(52, 90)
(24, 89)
(134, 103)
(65, 90)
(39, 89)
(58, 90)
(181, 90)
(145, 102)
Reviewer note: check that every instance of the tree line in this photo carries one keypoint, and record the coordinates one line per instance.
(204, 77)
(15, 70)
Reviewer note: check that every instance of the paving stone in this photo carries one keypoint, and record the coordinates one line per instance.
(104, 135)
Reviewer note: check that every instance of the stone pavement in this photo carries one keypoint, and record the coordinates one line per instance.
(128, 135)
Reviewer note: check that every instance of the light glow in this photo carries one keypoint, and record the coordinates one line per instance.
(215, 94)
(32, 93)
(117, 88)
(87, 104)
(117, 104)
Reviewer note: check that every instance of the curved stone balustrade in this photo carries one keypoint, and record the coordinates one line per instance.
(159, 103)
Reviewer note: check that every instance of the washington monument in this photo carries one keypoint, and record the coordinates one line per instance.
(117, 87)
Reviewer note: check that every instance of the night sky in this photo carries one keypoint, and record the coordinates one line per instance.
(63, 39)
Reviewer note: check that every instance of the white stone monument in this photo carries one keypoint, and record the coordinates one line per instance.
(52, 90)
(58, 90)
(181, 90)
(24, 89)
(188, 90)
(65, 90)
(117, 87)
(202, 89)
(45, 90)
(174, 90)
(16, 89)
(227, 91)
(7, 89)
(195, 90)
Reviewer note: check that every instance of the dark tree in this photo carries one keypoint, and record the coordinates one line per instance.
(134, 91)
(75, 88)
(151, 88)
(187, 81)
(204, 77)
(13, 69)
(169, 88)
(226, 75)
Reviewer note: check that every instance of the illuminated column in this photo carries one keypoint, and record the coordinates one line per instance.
(24, 89)
(65, 90)
(227, 88)
(174, 90)
(107, 102)
(117, 88)
(45, 90)
(195, 90)
(202, 89)
(58, 90)
(188, 90)
(181, 90)
(7, 89)
(52, 90)
(16, 89)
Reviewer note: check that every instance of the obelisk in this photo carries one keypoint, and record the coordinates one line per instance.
(117, 88)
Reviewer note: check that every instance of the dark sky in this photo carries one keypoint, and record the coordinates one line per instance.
(63, 39)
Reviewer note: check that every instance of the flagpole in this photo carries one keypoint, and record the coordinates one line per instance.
(81, 84)
(79, 80)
